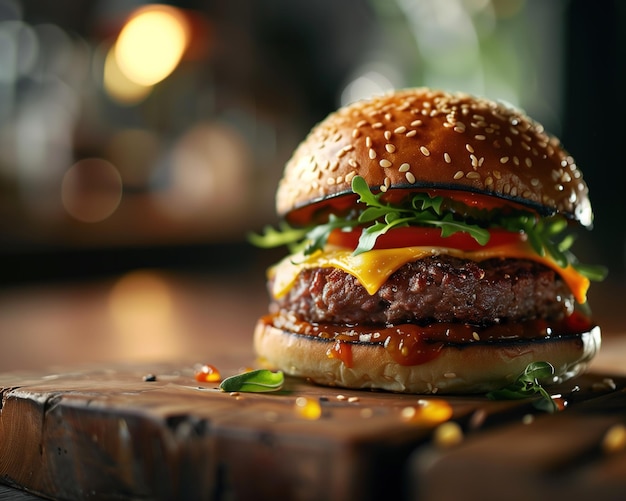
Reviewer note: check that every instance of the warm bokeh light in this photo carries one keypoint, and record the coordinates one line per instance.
(208, 172)
(91, 190)
(151, 44)
(118, 86)
(141, 309)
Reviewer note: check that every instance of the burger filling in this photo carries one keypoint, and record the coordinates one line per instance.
(423, 271)
(434, 289)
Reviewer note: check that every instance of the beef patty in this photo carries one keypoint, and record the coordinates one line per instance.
(434, 289)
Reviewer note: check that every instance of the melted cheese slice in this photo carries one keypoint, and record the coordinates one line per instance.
(373, 268)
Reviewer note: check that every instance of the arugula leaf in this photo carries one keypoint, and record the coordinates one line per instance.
(546, 235)
(527, 385)
(258, 381)
(423, 210)
(285, 235)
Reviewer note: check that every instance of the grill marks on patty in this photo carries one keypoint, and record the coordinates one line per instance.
(434, 289)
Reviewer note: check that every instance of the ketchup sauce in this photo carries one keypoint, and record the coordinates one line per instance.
(412, 344)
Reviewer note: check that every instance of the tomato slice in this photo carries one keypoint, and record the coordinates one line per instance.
(415, 236)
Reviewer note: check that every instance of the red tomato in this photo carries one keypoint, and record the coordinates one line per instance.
(410, 236)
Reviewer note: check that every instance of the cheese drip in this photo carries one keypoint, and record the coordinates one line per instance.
(373, 268)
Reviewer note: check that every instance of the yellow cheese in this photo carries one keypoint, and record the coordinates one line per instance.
(374, 267)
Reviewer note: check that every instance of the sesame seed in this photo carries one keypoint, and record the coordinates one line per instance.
(488, 181)
(383, 188)
(384, 163)
(377, 125)
(330, 180)
(526, 194)
(411, 133)
(504, 160)
(416, 123)
(497, 174)
(513, 192)
(534, 181)
(390, 147)
(372, 154)
(368, 142)
(348, 177)
(424, 151)
(472, 175)
(447, 158)
(508, 140)
(529, 162)
(516, 160)
(339, 179)
(400, 129)
(459, 174)
(474, 160)
(469, 148)
(404, 167)
(476, 336)
(356, 133)
(361, 123)
(480, 137)
(353, 163)
(410, 177)
(458, 128)
(387, 135)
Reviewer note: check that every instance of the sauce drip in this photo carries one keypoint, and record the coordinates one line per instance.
(411, 344)
(342, 351)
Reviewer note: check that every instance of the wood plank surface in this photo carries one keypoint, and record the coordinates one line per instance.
(109, 433)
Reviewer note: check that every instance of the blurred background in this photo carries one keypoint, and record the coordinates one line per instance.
(140, 143)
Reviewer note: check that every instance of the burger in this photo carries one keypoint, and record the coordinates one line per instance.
(429, 238)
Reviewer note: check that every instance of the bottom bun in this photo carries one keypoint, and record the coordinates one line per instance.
(472, 368)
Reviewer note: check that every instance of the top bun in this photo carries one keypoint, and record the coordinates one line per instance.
(422, 138)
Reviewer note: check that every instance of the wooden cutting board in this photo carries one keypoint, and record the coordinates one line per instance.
(154, 432)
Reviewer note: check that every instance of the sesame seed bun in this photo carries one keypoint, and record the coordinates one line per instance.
(474, 368)
(421, 139)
